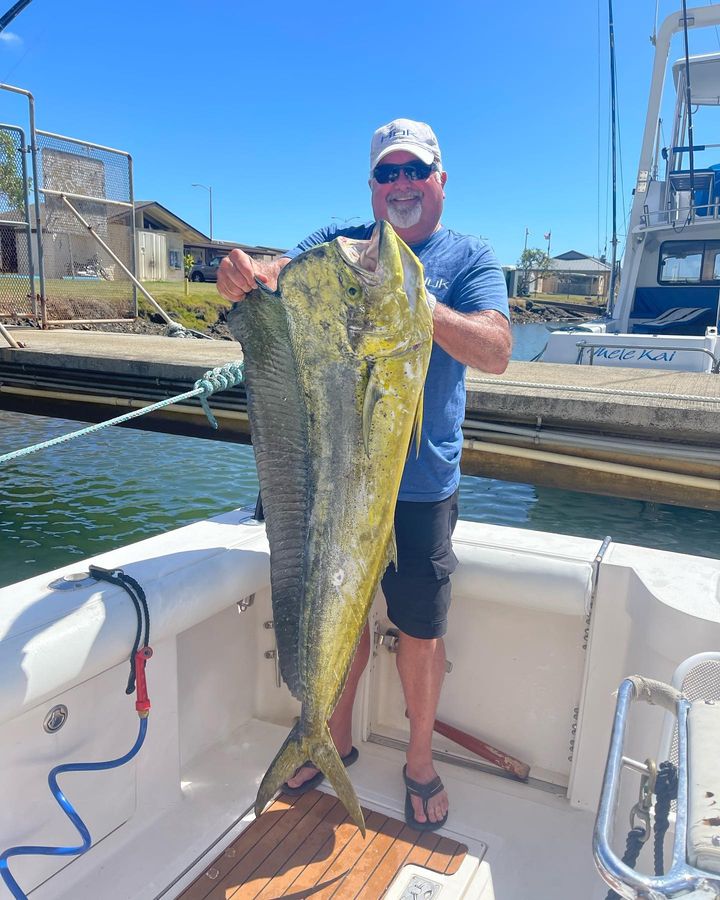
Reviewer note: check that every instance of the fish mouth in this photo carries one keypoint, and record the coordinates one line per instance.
(363, 257)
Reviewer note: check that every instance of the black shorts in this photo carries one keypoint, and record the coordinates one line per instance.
(418, 593)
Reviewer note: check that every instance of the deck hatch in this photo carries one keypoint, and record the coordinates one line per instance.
(297, 848)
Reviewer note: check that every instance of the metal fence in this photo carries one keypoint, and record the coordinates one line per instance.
(18, 288)
(80, 180)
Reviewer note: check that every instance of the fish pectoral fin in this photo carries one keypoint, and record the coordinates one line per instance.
(392, 554)
(417, 426)
(373, 392)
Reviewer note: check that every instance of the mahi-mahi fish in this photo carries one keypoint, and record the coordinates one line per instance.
(335, 363)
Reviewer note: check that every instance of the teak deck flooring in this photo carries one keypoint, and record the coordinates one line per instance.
(308, 847)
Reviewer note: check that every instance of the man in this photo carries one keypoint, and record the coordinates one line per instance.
(471, 328)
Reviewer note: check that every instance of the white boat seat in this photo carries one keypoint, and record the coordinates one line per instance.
(697, 677)
(703, 816)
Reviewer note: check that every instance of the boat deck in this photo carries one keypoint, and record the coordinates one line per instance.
(308, 846)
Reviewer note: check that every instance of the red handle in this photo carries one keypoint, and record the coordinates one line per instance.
(516, 767)
(142, 702)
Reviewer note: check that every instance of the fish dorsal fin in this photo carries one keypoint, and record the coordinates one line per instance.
(373, 392)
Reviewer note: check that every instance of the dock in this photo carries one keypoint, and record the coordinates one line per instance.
(638, 433)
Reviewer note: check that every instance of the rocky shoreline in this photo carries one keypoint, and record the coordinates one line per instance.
(522, 311)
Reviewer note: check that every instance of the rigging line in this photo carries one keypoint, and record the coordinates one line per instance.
(597, 130)
(39, 34)
(613, 85)
(624, 201)
(688, 99)
(621, 168)
(607, 178)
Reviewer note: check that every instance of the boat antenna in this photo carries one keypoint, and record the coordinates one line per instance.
(653, 36)
(613, 120)
(691, 156)
(14, 10)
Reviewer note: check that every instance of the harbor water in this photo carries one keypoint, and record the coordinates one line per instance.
(118, 486)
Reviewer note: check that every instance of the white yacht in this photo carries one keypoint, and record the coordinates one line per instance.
(668, 304)
(543, 631)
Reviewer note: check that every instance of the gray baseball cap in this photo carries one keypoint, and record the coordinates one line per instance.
(404, 134)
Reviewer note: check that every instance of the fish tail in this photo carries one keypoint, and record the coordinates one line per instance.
(288, 758)
(320, 751)
(325, 756)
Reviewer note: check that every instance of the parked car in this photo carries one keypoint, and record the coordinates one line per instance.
(202, 272)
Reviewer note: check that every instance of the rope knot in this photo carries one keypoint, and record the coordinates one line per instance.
(218, 379)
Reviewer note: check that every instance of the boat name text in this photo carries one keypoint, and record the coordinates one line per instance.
(623, 353)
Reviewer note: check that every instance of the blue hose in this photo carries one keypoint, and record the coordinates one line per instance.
(68, 809)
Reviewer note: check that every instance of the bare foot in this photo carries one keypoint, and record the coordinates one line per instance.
(303, 774)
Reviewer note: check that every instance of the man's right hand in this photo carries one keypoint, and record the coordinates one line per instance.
(238, 274)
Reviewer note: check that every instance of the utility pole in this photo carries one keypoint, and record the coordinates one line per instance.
(209, 190)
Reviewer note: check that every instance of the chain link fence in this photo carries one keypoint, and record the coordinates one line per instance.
(83, 282)
(18, 288)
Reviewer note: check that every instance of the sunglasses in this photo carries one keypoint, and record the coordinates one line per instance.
(417, 171)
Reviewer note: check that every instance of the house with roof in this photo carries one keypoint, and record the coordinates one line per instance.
(575, 273)
(163, 239)
(569, 273)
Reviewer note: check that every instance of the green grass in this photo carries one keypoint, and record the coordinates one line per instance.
(97, 299)
(199, 309)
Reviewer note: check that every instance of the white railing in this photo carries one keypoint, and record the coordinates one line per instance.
(681, 215)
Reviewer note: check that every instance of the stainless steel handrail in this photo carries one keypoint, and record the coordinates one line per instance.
(586, 345)
(675, 214)
(681, 877)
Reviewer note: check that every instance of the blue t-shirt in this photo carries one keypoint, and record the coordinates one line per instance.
(461, 271)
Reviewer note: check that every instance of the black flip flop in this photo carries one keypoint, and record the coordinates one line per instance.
(317, 779)
(425, 792)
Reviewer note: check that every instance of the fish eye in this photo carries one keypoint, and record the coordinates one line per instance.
(352, 291)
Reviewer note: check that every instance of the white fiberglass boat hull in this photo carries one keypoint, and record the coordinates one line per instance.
(530, 675)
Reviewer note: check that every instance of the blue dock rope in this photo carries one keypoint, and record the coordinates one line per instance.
(218, 379)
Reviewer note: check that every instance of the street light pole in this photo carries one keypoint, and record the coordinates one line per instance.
(209, 190)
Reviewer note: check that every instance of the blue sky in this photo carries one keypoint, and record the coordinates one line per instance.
(274, 105)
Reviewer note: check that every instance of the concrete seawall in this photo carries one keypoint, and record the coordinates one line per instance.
(628, 432)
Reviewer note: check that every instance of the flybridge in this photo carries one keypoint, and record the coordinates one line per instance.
(677, 189)
(668, 306)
